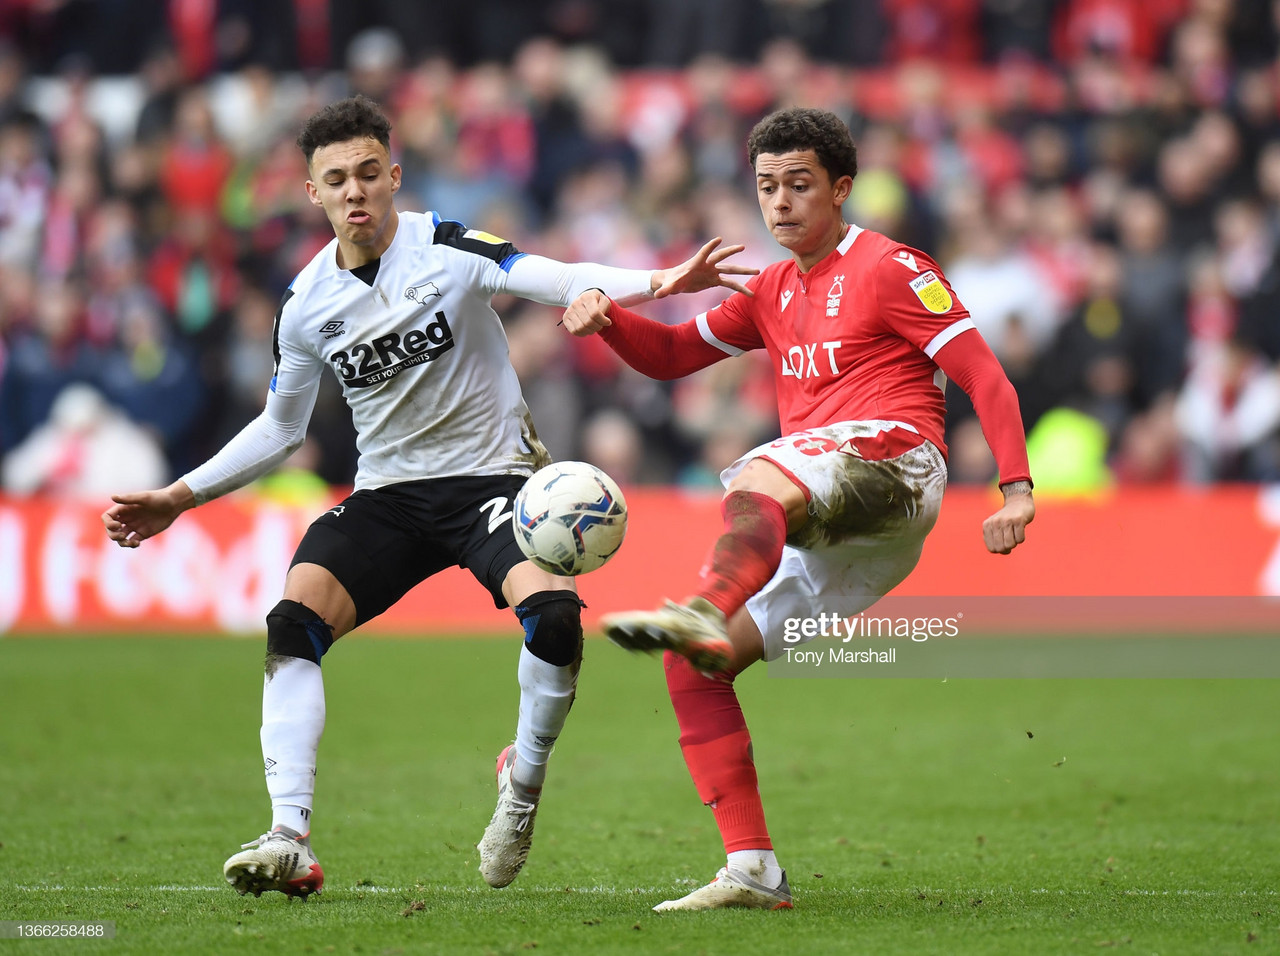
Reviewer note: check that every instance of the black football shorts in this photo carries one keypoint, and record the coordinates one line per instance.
(381, 542)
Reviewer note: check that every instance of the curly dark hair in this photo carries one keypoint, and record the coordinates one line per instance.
(798, 129)
(356, 117)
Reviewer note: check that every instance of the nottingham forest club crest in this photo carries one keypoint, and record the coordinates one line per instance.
(834, 295)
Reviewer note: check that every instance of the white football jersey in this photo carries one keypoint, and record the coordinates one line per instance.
(421, 355)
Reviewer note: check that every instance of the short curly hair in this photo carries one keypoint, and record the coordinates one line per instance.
(798, 129)
(356, 117)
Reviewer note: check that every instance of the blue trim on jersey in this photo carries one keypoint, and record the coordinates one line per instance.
(272, 386)
(506, 264)
(435, 219)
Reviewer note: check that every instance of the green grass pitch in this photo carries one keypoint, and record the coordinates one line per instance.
(914, 816)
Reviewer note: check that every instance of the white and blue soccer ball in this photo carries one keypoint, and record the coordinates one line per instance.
(570, 518)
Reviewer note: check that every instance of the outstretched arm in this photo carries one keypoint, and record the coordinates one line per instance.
(558, 283)
(261, 445)
(651, 348)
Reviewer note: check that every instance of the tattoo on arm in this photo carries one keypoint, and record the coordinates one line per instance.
(1016, 488)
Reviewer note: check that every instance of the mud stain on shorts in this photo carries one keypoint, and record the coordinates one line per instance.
(868, 499)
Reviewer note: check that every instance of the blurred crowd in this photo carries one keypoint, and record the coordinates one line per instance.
(1099, 178)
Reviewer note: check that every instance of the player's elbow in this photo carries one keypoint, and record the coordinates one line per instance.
(994, 391)
(294, 441)
(287, 436)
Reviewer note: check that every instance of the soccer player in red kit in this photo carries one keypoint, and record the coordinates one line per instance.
(862, 332)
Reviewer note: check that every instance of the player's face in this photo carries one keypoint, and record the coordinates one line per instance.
(800, 204)
(355, 181)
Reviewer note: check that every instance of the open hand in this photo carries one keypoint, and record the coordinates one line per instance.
(705, 269)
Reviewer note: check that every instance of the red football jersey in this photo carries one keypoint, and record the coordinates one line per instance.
(851, 340)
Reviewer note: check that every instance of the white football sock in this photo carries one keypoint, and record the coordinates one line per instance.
(295, 818)
(292, 722)
(546, 693)
(761, 865)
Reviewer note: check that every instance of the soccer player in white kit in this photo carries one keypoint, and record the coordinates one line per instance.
(398, 307)
(860, 331)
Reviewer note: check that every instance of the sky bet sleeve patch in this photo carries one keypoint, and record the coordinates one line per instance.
(932, 293)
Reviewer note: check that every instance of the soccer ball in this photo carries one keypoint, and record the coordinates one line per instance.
(570, 518)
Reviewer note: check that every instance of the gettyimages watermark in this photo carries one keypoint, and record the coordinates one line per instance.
(832, 625)
(1034, 637)
(845, 641)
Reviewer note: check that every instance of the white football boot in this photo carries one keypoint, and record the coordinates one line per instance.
(730, 889)
(509, 835)
(695, 629)
(280, 860)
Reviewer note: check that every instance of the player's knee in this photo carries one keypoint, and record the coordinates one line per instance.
(769, 488)
(552, 626)
(294, 630)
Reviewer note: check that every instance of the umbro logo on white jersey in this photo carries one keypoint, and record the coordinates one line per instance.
(420, 293)
(331, 330)
(786, 300)
(907, 259)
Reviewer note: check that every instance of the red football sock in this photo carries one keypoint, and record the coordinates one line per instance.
(717, 749)
(745, 557)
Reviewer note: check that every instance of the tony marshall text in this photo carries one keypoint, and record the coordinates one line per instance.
(840, 655)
